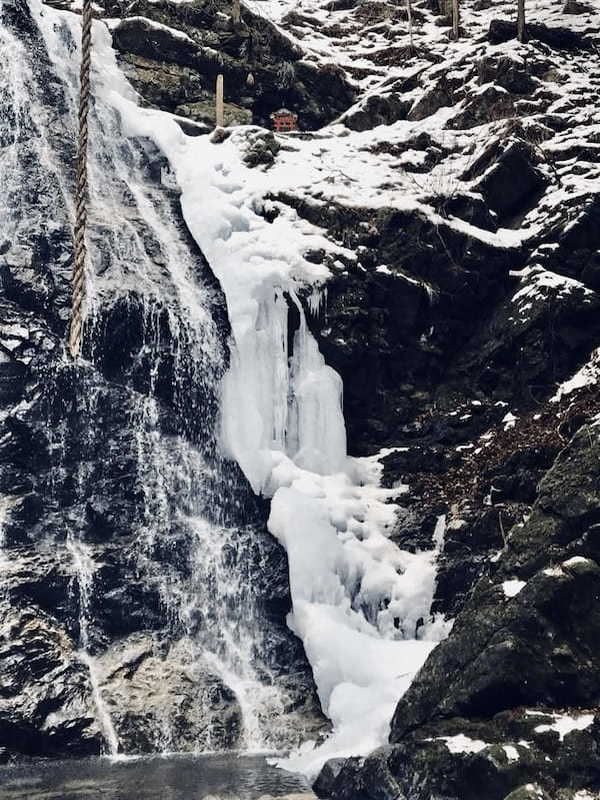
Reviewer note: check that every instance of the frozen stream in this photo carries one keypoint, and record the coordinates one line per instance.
(360, 605)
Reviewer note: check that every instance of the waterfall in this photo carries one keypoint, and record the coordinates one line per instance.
(156, 369)
(155, 356)
(84, 568)
(361, 606)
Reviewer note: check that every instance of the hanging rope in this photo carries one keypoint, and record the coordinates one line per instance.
(81, 191)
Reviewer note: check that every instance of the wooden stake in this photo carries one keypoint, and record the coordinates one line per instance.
(220, 111)
(455, 19)
(521, 20)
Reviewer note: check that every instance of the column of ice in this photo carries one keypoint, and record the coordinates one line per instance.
(274, 403)
(317, 432)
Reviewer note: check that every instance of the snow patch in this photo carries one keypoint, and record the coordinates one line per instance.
(461, 743)
(513, 587)
(588, 375)
(564, 724)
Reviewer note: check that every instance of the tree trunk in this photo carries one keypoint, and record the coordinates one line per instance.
(455, 19)
(410, 22)
(219, 110)
(521, 20)
(236, 12)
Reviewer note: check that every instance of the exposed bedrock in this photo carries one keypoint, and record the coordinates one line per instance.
(511, 696)
(173, 53)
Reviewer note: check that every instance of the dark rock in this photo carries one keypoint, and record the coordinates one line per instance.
(377, 110)
(513, 184)
(262, 149)
(480, 720)
(556, 37)
(566, 509)
(174, 65)
(575, 7)
(471, 209)
(511, 74)
(439, 96)
(492, 103)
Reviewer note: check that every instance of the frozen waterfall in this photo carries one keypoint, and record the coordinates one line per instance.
(357, 599)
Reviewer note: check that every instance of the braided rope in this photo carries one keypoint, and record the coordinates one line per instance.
(81, 191)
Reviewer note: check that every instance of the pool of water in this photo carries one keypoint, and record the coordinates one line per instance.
(225, 776)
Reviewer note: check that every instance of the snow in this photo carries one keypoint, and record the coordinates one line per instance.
(553, 572)
(576, 560)
(588, 375)
(537, 283)
(513, 587)
(564, 724)
(177, 34)
(461, 743)
(511, 752)
(509, 421)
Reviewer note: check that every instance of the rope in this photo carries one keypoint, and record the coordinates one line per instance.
(81, 191)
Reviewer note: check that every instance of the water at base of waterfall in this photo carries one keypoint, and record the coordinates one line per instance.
(150, 778)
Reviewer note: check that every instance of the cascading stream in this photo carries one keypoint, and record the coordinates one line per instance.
(154, 329)
(84, 569)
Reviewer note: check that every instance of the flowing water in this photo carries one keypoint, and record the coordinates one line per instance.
(156, 328)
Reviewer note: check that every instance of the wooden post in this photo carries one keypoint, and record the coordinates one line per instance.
(219, 111)
(455, 19)
(521, 20)
(410, 22)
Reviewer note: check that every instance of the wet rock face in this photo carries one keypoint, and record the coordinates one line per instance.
(190, 708)
(46, 706)
(172, 56)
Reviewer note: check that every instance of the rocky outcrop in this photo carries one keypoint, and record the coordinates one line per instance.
(172, 55)
(511, 696)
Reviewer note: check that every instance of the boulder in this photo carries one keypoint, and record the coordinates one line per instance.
(166, 697)
(491, 103)
(509, 73)
(377, 110)
(513, 184)
(557, 37)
